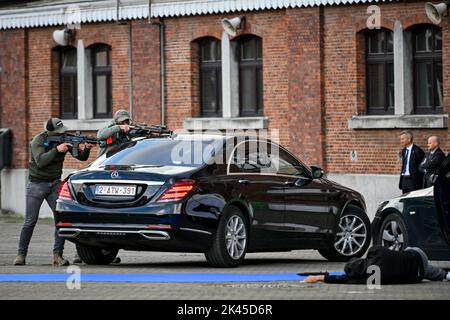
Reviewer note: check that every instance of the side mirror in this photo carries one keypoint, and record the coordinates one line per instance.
(317, 172)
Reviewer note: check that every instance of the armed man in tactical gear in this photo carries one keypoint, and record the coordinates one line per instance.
(111, 136)
(116, 132)
(45, 170)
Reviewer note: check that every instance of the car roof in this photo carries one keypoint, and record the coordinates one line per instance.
(201, 136)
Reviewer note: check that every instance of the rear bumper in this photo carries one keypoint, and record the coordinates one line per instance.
(138, 237)
(164, 227)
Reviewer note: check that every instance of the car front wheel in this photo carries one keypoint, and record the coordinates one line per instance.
(393, 234)
(352, 236)
(230, 242)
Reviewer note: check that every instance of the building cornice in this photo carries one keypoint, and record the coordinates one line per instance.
(55, 13)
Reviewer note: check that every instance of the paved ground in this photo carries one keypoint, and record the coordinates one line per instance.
(39, 261)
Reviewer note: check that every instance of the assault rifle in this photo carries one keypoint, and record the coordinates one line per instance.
(138, 131)
(74, 139)
(143, 130)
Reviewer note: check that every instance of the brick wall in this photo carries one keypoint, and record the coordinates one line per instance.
(182, 65)
(313, 78)
(30, 81)
(44, 76)
(146, 72)
(13, 91)
(344, 84)
(306, 110)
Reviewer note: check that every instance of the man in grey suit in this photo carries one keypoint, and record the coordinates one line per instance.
(433, 159)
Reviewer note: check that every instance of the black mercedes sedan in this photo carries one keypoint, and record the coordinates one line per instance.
(418, 219)
(219, 195)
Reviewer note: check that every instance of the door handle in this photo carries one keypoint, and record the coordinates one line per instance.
(243, 181)
(289, 183)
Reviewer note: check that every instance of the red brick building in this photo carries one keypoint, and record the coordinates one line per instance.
(339, 82)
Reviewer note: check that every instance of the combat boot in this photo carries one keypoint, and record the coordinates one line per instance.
(58, 260)
(19, 260)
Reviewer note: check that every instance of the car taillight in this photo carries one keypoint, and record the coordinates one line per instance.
(178, 191)
(62, 224)
(64, 192)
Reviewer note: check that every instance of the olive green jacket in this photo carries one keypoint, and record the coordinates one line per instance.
(46, 164)
(114, 131)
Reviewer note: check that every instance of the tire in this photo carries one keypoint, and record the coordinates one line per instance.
(96, 256)
(393, 233)
(352, 237)
(234, 226)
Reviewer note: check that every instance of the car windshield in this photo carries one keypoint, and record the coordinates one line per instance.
(184, 151)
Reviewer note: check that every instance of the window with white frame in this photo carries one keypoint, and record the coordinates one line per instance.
(418, 80)
(85, 82)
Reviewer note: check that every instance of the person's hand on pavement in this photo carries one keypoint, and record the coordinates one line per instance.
(314, 279)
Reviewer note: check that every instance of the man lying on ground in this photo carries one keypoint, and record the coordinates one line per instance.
(396, 267)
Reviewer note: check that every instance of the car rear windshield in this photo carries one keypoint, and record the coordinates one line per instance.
(163, 152)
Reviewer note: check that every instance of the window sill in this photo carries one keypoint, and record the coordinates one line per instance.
(432, 121)
(239, 123)
(86, 125)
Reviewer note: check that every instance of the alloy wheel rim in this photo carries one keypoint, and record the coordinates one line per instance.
(236, 237)
(393, 237)
(352, 235)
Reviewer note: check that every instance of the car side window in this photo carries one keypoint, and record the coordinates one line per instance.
(250, 157)
(284, 164)
(261, 157)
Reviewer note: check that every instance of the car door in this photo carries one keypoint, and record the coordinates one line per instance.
(263, 192)
(307, 210)
(442, 198)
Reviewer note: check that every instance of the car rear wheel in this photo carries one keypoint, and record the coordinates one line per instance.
(393, 234)
(96, 256)
(230, 243)
(352, 236)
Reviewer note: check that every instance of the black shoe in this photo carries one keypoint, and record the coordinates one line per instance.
(77, 260)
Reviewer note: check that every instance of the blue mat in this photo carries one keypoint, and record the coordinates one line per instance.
(161, 277)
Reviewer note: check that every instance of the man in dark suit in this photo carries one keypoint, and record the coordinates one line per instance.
(412, 156)
(433, 159)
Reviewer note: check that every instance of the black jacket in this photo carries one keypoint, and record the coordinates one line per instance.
(396, 267)
(415, 160)
(430, 166)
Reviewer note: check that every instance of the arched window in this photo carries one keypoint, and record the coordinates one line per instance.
(427, 46)
(380, 72)
(250, 76)
(68, 83)
(210, 78)
(102, 81)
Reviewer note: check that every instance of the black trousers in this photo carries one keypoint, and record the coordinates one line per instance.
(409, 184)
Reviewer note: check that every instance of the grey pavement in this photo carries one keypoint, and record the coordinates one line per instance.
(40, 254)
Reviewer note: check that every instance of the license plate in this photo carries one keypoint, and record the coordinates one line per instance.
(105, 190)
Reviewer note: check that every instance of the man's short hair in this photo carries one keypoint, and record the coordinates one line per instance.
(407, 133)
(436, 138)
